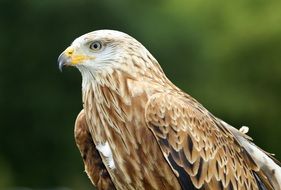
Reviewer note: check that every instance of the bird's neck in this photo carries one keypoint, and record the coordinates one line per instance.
(125, 81)
(94, 85)
(118, 98)
(113, 99)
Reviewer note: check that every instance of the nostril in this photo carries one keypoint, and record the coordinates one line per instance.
(69, 51)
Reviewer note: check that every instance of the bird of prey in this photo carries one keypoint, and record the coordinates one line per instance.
(137, 130)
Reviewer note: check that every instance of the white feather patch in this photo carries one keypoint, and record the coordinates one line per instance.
(105, 149)
(244, 129)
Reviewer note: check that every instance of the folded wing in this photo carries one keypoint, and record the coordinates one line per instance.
(203, 153)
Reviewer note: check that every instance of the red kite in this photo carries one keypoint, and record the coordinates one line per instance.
(139, 131)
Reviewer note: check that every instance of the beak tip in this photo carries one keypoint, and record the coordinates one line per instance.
(61, 64)
(62, 61)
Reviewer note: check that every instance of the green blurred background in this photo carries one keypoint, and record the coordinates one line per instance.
(226, 54)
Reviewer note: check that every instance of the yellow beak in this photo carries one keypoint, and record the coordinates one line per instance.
(69, 58)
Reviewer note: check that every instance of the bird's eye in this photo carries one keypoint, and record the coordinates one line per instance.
(95, 46)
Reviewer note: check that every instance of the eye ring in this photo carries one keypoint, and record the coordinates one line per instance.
(96, 45)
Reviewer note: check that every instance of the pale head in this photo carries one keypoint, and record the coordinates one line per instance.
(103, 50)
(102, 54)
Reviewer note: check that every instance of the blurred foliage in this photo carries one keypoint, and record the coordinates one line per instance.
(224, 53)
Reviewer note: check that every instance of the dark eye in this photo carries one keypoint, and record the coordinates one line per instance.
(95, 46)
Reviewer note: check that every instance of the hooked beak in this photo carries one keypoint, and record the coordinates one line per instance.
(65, 58)
(62, 61)
(71, 58)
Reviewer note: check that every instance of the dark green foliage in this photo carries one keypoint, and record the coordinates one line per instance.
(225, 54)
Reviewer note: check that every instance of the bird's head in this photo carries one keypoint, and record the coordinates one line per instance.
(105, 51)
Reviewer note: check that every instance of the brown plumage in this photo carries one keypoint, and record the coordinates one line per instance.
(139, 131)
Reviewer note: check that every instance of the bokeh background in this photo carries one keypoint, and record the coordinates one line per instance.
(226, 54)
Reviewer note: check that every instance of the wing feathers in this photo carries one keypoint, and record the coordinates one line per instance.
(200, 150)
(263, 162)
(185, 180)
(93, 164)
